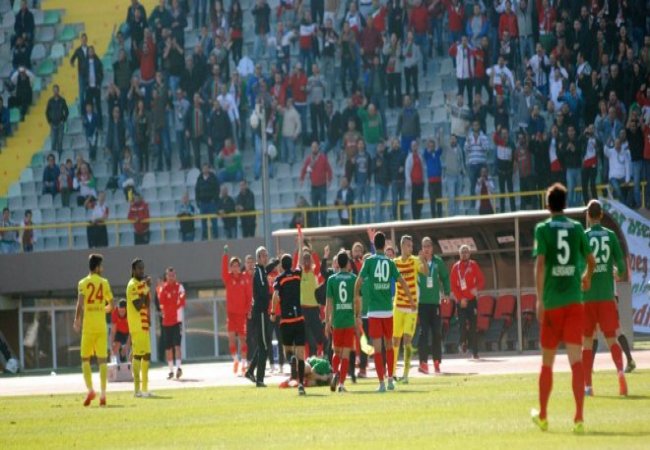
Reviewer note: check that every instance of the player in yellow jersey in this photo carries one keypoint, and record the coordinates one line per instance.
(94, 301)
(138, 300)
(405, 314)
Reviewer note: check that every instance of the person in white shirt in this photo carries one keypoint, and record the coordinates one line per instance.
(620, 167)
(539, 63)
(501, 77)
(229, 104)
(464, 58)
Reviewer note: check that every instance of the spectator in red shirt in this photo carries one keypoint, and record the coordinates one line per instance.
(171, 296)
(120, 337)
(466, 280)
(371, 43)
(147, 58)
(298, 84)
(138, 214)
(508, 22)
(238, 304)
(318, 168)
(456, 16)
(415, 180)
(419, 22)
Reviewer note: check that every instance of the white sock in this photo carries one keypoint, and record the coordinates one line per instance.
(170, 365)
(178, 363)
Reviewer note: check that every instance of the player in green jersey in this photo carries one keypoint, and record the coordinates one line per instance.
(561, 249)
(380, 272)
(600, 306)
(342, 317)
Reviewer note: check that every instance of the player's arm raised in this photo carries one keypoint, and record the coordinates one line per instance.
(539, 285)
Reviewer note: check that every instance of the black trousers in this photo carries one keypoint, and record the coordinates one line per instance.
(196, 147)
(262, 327)
(142, 238)
(467, 322)
(411, 78)
(248, 226)
(275, 334)
(394, 81)
(417, 194)
(313, 328)
(505, 183)
(435, 192)
(93, 96)
(317, 116)
(430, 325)
(589, 184)
(465, 84)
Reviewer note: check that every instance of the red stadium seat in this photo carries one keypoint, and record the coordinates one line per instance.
(482, 323)
(447, 309)
(505, 308)
(528, 303)
(485, 305)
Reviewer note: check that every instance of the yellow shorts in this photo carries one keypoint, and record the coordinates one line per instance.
(94, 344)
(404, 323)
(140, 343)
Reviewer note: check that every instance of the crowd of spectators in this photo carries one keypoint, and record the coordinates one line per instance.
(547, 90)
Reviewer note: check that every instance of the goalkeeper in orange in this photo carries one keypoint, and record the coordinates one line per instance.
(94, 301)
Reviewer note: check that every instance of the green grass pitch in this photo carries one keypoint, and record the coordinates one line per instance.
(443, 412)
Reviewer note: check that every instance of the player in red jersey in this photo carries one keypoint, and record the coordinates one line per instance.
(561, 249)
(238, 306)
(120, 337)
(171, 296)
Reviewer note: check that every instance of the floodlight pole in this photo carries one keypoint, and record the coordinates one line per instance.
(520, 338)
(266, 197)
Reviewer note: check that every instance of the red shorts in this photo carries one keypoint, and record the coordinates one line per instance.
(380, 327)
(236, 323)
(343, 337)
(564, 324)
(603, 314)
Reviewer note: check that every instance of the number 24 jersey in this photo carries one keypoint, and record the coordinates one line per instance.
(96, 294)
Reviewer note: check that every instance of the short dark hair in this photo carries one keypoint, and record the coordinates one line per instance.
(134, 263)
(28, 211)
(379, 240)
(556, 197)
(5, 209)
(286, 262)
(94, 261)
(121, 303)
(342, 259)
(594, 209)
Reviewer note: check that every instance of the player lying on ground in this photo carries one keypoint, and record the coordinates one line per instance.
(318, 372)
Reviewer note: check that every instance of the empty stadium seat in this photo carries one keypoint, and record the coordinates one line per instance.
(501, 321)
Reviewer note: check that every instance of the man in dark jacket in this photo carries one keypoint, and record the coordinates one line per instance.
(51, 174)
(24, 25)
(227, 207)
(57, 115)
(245, 202)
(207, 198)
(260, 318)
(115, 139)
(93, 75)
(219, 129)
(334, 124)
(80, 56)
(344, 198)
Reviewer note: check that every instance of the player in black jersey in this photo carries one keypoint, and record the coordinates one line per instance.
(292, 323)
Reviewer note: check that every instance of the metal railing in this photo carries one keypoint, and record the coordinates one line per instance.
(118, 224)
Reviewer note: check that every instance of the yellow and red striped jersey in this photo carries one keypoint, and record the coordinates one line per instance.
(408, 268)
(138, 319)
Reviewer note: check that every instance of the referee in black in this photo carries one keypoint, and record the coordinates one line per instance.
(292, 323)
(260, 318)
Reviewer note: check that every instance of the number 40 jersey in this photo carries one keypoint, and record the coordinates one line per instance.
(378, 272)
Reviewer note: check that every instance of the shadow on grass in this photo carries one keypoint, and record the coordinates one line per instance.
(395, 392)
(188, 380)
(453, 374)
(628, 397)
(619, 433)
(157, 397)
(486, 360)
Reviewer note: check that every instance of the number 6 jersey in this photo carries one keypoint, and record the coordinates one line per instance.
(564, 244)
